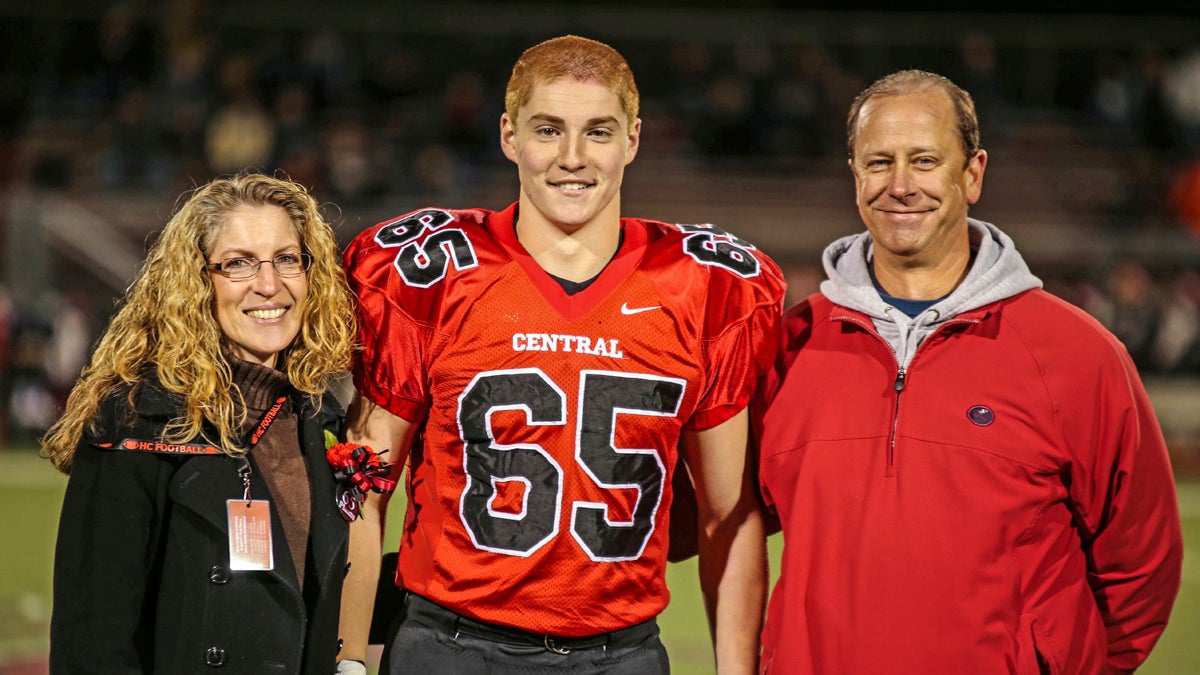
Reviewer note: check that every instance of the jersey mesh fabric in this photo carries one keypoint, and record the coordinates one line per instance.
(540, 492)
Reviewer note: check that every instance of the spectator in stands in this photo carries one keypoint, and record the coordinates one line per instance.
(240, 134)
(1177, 339)
(109, 58)
(979, 73)
(135, 154)
(1181, 89)
(1134, 310)
(185, 99)
(298, 135)
(350, 156)
(801, 105)
(1184, 196)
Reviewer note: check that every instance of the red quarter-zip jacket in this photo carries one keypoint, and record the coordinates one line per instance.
(1005, 504)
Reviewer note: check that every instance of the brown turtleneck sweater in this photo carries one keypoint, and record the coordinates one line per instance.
(278, 455)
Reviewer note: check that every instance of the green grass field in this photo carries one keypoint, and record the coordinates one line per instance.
(30, 493)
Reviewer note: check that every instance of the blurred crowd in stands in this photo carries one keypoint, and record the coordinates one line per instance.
(148, 97)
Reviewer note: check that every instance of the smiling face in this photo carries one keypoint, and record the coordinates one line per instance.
(260, 316)
(913, 180)
(571, 143)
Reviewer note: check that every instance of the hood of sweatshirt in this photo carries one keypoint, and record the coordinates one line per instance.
(997, 272)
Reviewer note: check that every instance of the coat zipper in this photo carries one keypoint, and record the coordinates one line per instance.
(901, 376)
(898, 385)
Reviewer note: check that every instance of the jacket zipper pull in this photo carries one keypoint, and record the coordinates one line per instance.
(899, 385)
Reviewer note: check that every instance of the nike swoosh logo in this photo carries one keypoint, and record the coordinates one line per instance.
(627, 310)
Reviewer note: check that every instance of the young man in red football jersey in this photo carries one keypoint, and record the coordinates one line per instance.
(537, 369)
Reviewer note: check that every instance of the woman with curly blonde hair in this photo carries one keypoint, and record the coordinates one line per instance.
(199, 494)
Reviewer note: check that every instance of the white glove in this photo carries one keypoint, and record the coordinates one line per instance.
(348, 667)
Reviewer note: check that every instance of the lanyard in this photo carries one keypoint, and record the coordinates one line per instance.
(243, 463)
(156, 446)
(265, 422)
(260, 430)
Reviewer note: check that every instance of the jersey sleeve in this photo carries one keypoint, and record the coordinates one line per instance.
(389, 368)
(741, 339)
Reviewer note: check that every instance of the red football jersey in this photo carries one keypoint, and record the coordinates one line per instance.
(539, 489)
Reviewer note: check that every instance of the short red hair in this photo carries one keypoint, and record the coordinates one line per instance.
(575, 57)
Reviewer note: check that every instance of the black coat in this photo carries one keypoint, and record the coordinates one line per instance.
(141, 575)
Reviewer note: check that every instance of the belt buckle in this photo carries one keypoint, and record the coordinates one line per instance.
(551, 646)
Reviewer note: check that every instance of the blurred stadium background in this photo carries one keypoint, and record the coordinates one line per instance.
(110, 110)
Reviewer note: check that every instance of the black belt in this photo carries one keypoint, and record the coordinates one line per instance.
(432, 614)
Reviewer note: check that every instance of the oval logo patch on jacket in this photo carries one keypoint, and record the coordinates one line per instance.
(981, 415)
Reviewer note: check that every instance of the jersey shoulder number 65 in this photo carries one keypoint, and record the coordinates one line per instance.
(427, 246)
(710, 245)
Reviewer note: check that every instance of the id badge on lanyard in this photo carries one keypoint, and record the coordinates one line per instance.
(250, 545)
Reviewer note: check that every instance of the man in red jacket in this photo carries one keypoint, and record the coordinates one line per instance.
(967, 470)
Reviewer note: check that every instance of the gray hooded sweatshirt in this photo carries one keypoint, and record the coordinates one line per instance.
(998, 272)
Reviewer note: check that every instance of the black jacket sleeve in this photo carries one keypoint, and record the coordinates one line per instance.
(107, 559)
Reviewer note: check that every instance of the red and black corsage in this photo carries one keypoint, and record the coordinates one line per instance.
(357, 468)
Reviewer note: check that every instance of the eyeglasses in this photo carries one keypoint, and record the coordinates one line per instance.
(240, 269)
